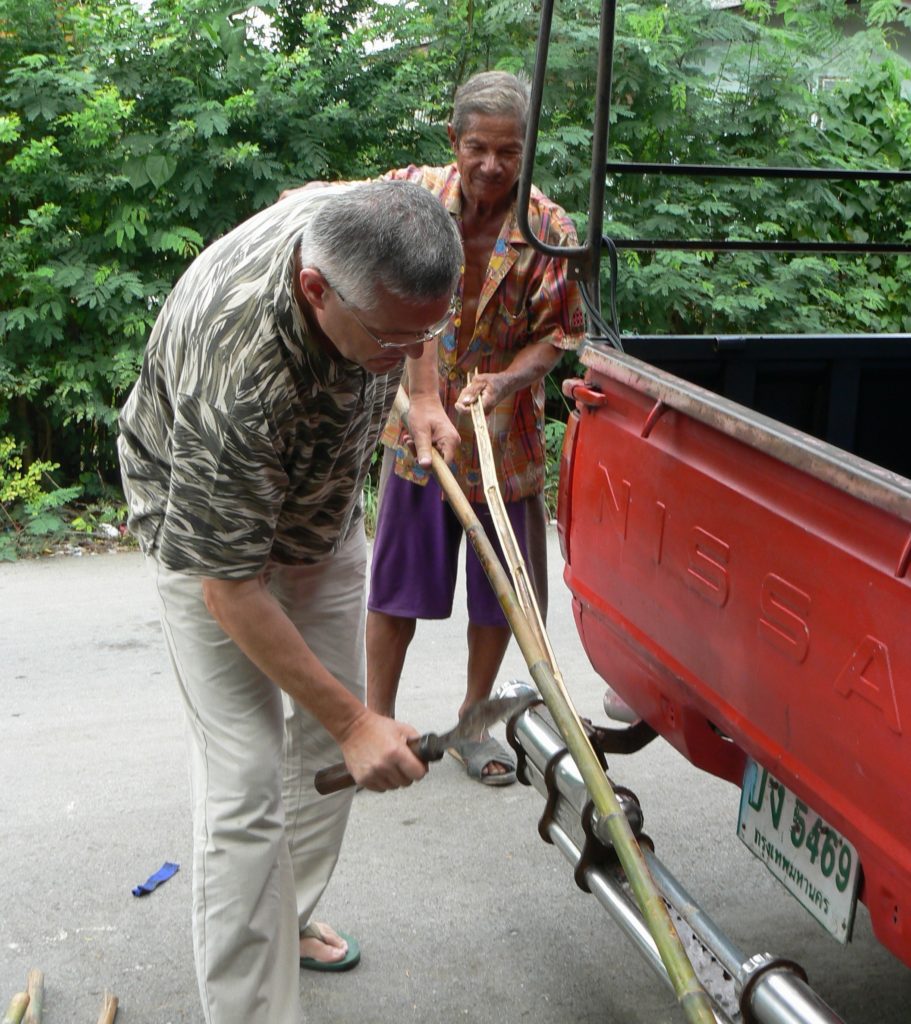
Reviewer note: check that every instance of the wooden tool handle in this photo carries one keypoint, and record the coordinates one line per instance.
(336, 776)
(332, 779)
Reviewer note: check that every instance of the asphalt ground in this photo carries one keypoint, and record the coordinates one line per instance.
(462, 912)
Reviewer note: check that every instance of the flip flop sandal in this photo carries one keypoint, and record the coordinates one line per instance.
(350, 959)
(475, 755)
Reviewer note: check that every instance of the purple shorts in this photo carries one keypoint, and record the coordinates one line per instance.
(416, 553)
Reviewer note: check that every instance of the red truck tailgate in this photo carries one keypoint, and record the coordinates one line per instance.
(744, 605)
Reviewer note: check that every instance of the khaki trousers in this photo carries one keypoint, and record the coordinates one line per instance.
(264, 842)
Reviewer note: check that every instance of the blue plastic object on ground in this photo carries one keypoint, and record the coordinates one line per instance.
(153, 881)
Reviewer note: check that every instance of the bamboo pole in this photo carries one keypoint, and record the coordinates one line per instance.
(690, 994)
(35, 1008)
(16, 1008)
(511, 550)
(108, 1009)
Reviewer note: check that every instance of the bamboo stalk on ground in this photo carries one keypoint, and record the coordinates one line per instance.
(16, 1008)
(108, 1009)
(690, 994)
(35, 986)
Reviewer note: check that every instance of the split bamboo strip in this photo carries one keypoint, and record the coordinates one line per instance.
(35, 1008)
(108, 1009)
(16, 1008)
(511, 550)
(690, 995)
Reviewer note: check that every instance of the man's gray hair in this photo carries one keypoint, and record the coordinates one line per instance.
(392, 234)
(493, 93)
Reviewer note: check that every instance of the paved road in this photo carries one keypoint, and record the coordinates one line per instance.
(463, 913)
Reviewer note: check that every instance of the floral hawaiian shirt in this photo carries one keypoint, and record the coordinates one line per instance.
(526, 299)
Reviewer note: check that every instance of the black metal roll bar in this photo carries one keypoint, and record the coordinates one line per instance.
(585, 260)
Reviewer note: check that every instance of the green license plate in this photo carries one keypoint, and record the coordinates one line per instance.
(812, 861)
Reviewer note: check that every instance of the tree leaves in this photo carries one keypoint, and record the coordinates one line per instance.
(757, 92)
(131, 138)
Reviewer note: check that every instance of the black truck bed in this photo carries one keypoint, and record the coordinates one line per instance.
(853, 391)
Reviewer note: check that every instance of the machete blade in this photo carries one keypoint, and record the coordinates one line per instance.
(431, 747)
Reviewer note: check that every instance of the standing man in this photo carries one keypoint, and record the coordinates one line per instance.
(244, 447)
(516, 313)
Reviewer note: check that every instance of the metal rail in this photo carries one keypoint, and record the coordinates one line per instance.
(744, 989)
(589, 253)
(584, 260)
(753, 171)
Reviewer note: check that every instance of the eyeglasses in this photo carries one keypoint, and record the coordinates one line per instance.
(430, 334)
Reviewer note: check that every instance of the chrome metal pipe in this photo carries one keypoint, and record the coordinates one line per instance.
(786, 999)
(731, 957)
(611, 897)
(776, 992)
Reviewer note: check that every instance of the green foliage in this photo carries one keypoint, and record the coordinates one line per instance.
(131, 138)
(371, 495)
(554, 429)
(31, 515)
(801, 88)
(39, 516)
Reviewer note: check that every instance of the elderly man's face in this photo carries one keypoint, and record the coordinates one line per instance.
(488, 155)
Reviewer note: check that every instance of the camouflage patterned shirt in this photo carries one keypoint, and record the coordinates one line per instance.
(243, 440)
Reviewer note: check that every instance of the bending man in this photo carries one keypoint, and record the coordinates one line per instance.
(244, 447)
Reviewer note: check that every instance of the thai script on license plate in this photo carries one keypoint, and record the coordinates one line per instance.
(814, 863)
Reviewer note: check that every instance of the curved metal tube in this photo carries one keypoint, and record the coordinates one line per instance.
(592, 247)
(774, 992)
